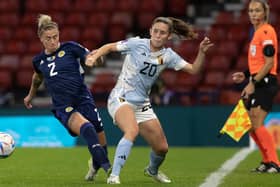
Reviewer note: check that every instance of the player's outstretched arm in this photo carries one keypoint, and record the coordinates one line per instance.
(92, 57)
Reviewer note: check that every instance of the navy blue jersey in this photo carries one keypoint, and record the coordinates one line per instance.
(63, 74)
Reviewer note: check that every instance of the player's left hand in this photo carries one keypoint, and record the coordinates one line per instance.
(205, 44)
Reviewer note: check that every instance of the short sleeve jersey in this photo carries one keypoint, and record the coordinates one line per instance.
(63, 73)
(265, 35)
(142, 67)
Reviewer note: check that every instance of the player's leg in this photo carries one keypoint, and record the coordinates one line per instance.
(93, 166)
(81, 126)
(125, 119)
(90, 112)
(152, 132)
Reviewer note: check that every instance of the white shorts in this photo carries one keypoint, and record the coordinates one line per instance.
(142, 112)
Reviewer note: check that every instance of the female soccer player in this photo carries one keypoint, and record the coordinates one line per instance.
(129, 103)
(73, 105)
(262, 87)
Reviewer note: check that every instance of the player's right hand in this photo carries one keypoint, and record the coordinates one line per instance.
(27, 102)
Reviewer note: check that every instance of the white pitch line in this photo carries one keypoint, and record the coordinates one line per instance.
(215, 178)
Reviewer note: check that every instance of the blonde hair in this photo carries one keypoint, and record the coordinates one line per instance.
(265, 7)
(178, 27)
(45, 23)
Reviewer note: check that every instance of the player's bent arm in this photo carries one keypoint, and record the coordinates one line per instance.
(197, 65)
(37, 80)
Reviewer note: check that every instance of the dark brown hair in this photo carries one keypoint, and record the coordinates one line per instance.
(178, 27)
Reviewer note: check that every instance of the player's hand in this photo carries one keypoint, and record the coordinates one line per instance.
(238, 77)
(27, 102)
(248, 90)
(205, 44)
(92, 60)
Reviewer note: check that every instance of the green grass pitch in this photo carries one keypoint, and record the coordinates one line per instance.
(66, 167)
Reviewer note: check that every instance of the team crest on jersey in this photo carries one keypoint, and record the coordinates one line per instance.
(61, 54)
(68, 109)
(51, 58)
(41, 62)
(253, 50)
(160, 60)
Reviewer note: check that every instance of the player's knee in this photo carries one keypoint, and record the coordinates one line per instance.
(162, 149)
(132, 133)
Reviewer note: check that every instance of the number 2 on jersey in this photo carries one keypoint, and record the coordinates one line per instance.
(52, 72)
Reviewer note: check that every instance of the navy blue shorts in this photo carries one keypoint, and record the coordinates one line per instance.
(88, 110)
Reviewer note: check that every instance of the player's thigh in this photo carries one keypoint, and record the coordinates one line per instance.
(153, 133)
(126, 121)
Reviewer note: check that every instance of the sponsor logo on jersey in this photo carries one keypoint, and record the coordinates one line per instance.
(68, 109)
(61, 54)
(253, 50)
(51, 58)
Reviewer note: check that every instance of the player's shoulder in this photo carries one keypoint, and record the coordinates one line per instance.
(70, 44)
(38, 57)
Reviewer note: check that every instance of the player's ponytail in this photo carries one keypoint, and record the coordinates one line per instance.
(45, 23)
(178, 27)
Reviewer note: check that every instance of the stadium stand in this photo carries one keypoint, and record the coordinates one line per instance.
(95, 22)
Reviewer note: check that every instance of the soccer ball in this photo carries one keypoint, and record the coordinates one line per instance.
(7, 145)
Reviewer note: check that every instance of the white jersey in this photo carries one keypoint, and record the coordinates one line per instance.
(141, 69)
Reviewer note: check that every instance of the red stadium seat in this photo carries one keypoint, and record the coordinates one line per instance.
(177, 8)
(185, 80)
(213, 79)
(9, 62)
(37, 6)
(93, 34)
(24, 78)
(151, 6)
(116, 33)
(35, 47)
(75, 19)
(145, 19)
(218, 33)
(29, 19)
(187, 49)
(169, 77)
(70, 33)
(9, 19)
(25, 33)
(106, 6)
(127, 6)
(229, 97)
(15, 47)
(84, 6)
(5, 80)
(5, 33)
(228, 48)
(98, 19)
(225, 18)
(219, 63)
(9, 6)
(26, 62)
(241, 63)
(123, 19)
(61, 6)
